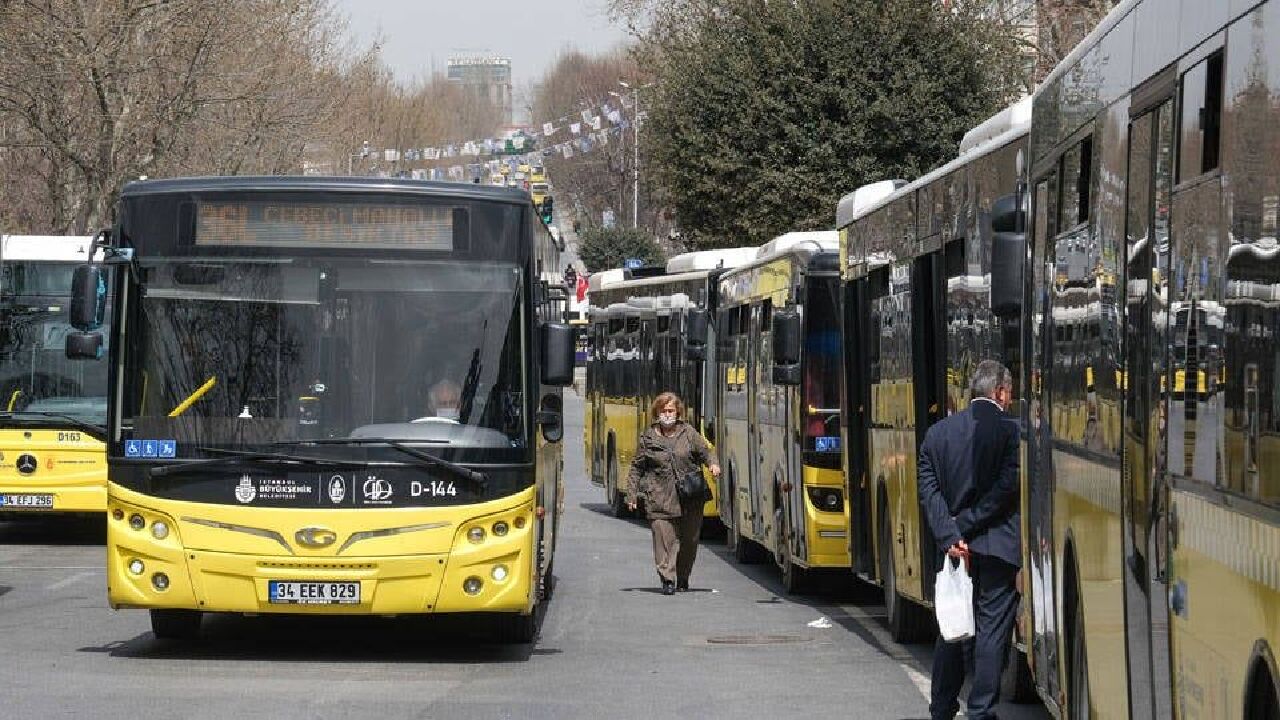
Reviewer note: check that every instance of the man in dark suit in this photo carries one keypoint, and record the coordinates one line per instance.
(968, 483)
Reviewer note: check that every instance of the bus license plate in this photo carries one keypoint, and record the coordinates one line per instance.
(314, 593)
(27, 502)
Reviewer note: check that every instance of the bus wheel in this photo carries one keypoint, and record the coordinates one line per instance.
(616, 498)
(175, 624)
(793, 576)
(907, 621)
(1078, 670)
(517, 629)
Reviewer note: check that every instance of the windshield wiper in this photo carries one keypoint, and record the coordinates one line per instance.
(94, 429)
(475, 476)
(239, 457)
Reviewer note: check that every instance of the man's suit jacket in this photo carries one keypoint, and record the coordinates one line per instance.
(967, 478)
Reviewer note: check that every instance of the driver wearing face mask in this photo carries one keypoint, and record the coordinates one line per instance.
(445, 398)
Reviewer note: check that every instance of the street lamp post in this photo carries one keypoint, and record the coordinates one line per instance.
(635, 161)
(364, 153)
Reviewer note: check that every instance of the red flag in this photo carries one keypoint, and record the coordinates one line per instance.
(582, 287)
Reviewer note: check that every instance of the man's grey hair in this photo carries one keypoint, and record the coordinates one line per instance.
(988, 376)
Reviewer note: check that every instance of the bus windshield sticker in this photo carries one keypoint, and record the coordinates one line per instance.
(331, 225)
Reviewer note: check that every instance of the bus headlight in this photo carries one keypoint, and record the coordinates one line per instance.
(136, 567)
(472, 585)
(500, 528)
(137, 522)
(499, 572)
(826, 499)
(476, 535)
(160, 530)
(160, 581)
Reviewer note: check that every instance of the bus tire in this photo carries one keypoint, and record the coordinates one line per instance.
(907, 621)
(175, 624)
(793, 576)
(1017, 684)
(1078, 706)
(516, 628)
(616, 498)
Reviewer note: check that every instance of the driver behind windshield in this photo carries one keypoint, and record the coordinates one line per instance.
(444, 399)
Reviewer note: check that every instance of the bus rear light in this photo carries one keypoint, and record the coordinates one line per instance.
(136, 567)
(472, 585)
(160, 581)
(137, 522)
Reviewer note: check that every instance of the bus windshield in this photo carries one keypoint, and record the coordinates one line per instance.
(38, 384)
(251, 352)
(822, 367)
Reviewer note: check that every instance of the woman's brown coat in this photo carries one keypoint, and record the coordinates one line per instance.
(659, 461)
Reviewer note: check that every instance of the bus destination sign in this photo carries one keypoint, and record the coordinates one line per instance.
(332, 225)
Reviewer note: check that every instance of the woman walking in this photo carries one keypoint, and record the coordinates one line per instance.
(668, 451)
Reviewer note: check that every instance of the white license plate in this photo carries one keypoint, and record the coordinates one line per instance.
(26, 502)
(327, 592)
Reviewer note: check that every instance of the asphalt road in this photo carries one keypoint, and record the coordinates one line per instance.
(611, 645)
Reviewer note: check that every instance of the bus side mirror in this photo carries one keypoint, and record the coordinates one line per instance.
(1008, 246)
(558, 352)
(696, 327)
(786, 337)
(88, 297)
(84, 346)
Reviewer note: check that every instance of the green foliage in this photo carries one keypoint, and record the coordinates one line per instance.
(766, 113)
(605, 248)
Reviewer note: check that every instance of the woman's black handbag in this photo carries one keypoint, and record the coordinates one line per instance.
(693, 486)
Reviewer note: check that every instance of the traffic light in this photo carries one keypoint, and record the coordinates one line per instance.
(547, 210)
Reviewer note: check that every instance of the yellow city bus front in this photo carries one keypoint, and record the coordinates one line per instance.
(172, 554)
(51, 470)
(52, 409)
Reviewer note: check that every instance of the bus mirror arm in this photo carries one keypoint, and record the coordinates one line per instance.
(551, 423)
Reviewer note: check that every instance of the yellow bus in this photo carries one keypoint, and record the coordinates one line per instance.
(1151, 551)
(52, 422)
(932, 286)
(778, 395)
(650, 334)
(331, 396)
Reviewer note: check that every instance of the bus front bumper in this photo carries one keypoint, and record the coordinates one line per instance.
(494, 575)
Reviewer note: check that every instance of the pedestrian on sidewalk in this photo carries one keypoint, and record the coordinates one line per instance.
(968, 487)
(669, 449)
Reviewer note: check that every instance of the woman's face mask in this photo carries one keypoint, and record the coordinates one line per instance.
(667, 418)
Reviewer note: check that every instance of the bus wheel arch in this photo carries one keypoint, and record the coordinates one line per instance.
(1261, 692)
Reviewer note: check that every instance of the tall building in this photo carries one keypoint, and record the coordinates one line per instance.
(489, 77)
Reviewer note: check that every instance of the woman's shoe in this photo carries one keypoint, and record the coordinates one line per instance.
(682, 584)
(668, 587)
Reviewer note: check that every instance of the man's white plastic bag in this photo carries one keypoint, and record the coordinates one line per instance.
(953, 601)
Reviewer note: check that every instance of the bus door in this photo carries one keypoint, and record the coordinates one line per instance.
(1144, 480)
(758, 345)
(596, 369)
(928, 310)
(862, 370)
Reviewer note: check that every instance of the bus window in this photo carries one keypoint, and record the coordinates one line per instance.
(821, 368)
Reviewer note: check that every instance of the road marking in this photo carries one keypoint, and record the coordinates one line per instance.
(869, 622)
(70, 580)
